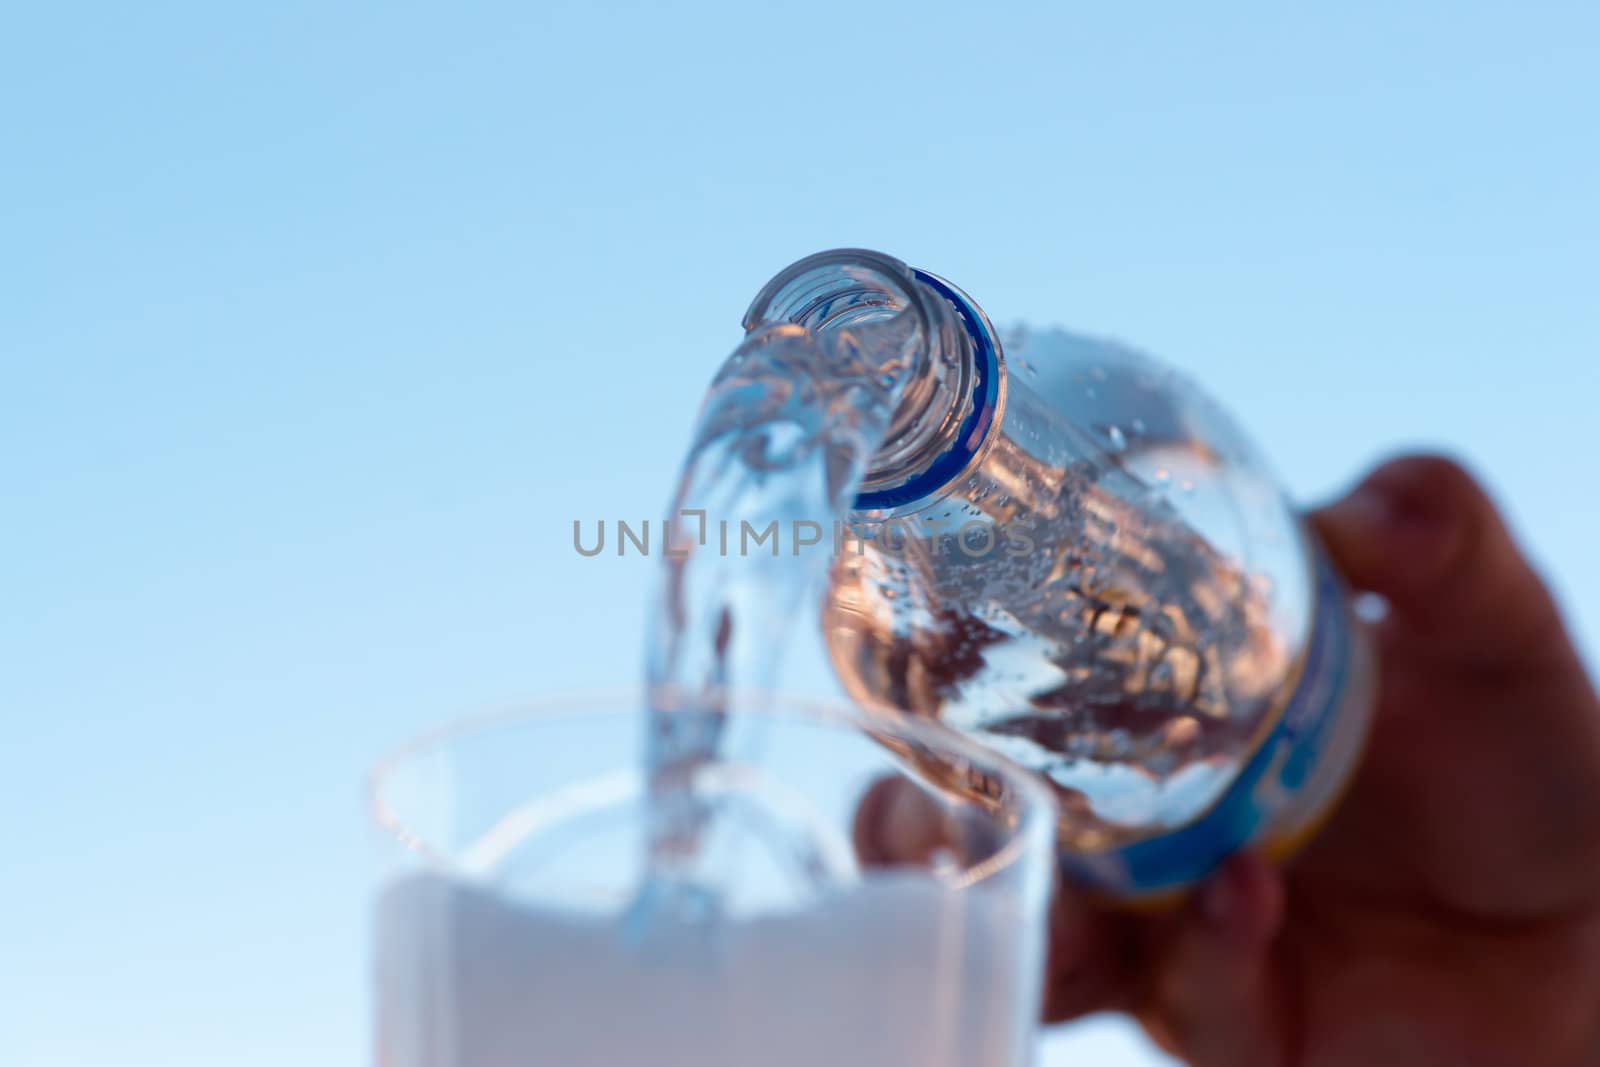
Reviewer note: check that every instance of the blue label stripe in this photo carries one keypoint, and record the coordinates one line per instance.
(1280, 767)
(974, 428)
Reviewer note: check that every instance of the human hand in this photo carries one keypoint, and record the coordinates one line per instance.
(1449, 913)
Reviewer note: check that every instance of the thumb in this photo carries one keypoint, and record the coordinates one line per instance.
(1421, 532)
(897, 824)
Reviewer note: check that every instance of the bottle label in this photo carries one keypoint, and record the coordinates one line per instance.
(1286, 788)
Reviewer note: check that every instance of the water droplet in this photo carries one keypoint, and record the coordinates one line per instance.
(1137, 425)
(1113, 434)
(1187, 485)
(1163, 476)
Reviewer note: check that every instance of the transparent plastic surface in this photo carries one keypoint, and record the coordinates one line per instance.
(1055, 544)
(516, 849)
(1115, 593)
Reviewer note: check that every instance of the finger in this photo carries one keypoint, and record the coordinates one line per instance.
(1215, 1001)
(898, 824)
(1421, 532)
(1095, 960)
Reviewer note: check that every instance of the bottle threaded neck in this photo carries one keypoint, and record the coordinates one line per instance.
(934, 394)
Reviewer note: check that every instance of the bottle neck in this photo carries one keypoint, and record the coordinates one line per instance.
(944, 392)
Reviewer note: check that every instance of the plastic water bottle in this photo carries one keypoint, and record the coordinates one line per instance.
(1065, 549)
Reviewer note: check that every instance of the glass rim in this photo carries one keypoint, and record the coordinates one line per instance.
(1036, 801)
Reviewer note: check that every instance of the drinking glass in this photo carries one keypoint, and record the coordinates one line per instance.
(509, 926)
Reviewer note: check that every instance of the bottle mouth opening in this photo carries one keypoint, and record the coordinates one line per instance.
(967, 424)
(842, 288)
(933, 382)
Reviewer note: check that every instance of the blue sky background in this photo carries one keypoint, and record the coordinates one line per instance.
(320, 323)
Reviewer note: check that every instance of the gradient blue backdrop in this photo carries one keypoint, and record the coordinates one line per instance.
(320, 323)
